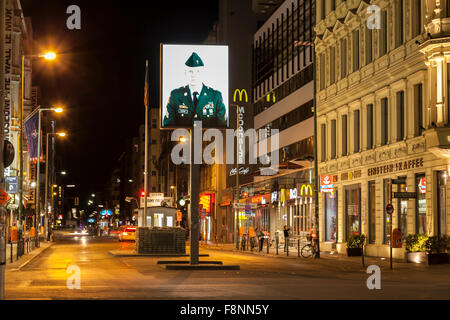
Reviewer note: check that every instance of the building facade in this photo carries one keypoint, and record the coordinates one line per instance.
(283, 99)
(383, 120)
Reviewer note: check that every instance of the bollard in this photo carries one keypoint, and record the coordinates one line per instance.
(11, 255)
(298, 248)
(276, 245)
(287, 246)
(268, 244)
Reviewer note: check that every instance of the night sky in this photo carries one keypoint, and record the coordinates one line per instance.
(99, 74)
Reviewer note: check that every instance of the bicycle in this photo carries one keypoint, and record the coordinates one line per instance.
(309, 249)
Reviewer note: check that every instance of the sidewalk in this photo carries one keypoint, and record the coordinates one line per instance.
(26, 258)
(326, 258)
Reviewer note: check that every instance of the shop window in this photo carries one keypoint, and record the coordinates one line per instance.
(421, 204)
(442, 203)
(402, 205)
(372, 212)
(331, 212)
(353, 210)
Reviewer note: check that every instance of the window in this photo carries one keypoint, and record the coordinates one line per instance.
(356, 122)
(370, 126)
(421, 204)
(322, 11)
(332, 65)
(344, 135)
(353, 210)
(322, 71)
(384, 121)
(153, 173)
(323, 133)
(402, 205)
(399, 23)
(441, 179)
(343, 58)
(369, 56)
(333, 139)
(417, 17)
(154, 124)
(153, 141)
(331, 209)
(400, 115)
(333, 5)
(355, 50)
(418, 108)
(372, 212)
(383, 34)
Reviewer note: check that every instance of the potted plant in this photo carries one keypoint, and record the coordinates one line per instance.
(415, 248)
(355, 245)
(437, 249)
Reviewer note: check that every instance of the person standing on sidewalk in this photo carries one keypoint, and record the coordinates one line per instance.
(261, 236)
(286, 237)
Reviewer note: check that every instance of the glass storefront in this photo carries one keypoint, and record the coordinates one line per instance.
(421, 204)
(402, 204)
(353, 210)
(331, 209)
(442, 203)
(372, 212)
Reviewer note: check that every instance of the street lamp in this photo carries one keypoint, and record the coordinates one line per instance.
(46, 223)
(47, 56)
(38, 167)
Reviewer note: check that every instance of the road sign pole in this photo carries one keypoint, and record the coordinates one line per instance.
(194, 192)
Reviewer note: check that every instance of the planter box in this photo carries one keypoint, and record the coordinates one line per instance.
(354, 252)
(416, 257)
(437, 258)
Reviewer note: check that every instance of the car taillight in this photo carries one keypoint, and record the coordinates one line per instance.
(125, 234)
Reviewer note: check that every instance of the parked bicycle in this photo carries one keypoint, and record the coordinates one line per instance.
(309, 249)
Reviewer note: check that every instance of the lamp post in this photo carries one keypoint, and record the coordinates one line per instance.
(46, 56)
(46, 223)
(38, 167)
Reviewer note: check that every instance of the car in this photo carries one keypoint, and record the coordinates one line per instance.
(127, 233)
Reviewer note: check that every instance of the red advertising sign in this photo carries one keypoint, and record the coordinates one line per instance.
(422, 185)
(3, 197)
(326, 183)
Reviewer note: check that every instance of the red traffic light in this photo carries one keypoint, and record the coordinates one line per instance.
(142, 193)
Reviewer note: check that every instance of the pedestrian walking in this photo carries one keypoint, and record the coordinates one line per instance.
(286, 237)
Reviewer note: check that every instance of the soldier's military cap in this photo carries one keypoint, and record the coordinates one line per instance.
(194, 61)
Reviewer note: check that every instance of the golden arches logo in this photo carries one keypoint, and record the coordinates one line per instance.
(241, 95)
(304, 190)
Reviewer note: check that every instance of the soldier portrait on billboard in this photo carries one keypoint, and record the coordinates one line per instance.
(196, 100)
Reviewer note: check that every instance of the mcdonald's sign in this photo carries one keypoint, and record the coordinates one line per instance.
(242, 94)
(306, 190)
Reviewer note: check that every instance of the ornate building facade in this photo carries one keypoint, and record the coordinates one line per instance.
(383, 120)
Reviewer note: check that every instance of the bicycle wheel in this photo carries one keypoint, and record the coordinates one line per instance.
(306, 251)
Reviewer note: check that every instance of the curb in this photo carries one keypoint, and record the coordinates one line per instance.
(33, 257)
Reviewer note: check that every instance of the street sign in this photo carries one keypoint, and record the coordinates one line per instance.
(4, 197)
(405, 195)
(389, 208)
(243, 205)
(11, 184)
(398, 181)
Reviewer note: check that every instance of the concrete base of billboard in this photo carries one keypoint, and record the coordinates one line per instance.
(201, 266)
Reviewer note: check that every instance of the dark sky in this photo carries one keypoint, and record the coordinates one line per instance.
(99, 74)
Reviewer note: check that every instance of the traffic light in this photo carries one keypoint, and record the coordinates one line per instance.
(142, 194)
(183, 201)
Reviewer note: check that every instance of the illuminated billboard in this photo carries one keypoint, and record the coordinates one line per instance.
(194, 86)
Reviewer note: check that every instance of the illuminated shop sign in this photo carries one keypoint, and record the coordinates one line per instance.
(394, 167)
(326, 183)
(422, 185)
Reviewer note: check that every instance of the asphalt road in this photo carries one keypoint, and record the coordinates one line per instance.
(103, 276)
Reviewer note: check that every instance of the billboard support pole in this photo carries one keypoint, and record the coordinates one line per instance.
(194, 205)
(144, 219)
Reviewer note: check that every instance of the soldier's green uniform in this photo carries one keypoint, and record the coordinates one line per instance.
(181, 110)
